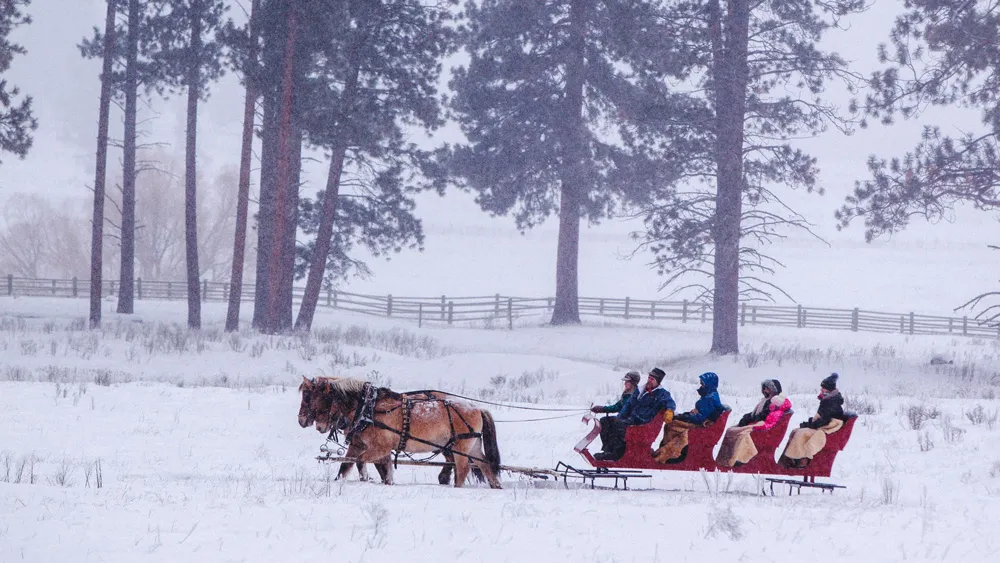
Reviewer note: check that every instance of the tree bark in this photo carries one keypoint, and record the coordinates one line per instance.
(573, 174)
(100, 170)
(243, 195)
(126, 279)
(730, 81)
(277, 260)
(289, 241)
(266, 200)
(190, 176)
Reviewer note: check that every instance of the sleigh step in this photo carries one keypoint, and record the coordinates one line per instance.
(797, 485)
(567, 471)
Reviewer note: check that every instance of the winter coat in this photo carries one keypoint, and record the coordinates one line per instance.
(709, 406)
(644, 406)
(831, 406)
(617, 407)
(777, 407)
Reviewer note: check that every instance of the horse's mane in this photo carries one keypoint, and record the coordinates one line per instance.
(344, 389)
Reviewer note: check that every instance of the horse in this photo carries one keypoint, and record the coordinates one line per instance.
(313, 402)
(380, 420)
(316, 398)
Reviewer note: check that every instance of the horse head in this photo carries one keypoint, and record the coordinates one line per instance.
(306, 415)
(334, 405)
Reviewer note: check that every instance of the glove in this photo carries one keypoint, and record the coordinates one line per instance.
(668, 416)
(596, 409)
(804, 425)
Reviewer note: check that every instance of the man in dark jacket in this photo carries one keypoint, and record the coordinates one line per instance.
(641, 408)
(631, 382)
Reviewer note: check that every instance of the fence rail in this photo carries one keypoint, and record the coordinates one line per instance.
(508, 309)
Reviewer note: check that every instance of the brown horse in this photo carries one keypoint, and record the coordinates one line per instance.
(380, 420)
(313, 401)
(316, 397)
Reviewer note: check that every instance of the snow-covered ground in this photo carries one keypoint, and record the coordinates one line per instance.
(201, 457)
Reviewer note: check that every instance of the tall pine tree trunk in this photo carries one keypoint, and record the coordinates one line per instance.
(567, 305)
(243, 195)
(282, 201)
(266, 200)
(289, 242)
(731, 77)
(126, 279)
(100, 170)
(324, 234)
(190, 172)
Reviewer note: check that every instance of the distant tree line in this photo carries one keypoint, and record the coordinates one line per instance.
(682, 112)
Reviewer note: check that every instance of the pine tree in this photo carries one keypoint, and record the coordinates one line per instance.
(760, 85)
(185, 33)
(132, 70)
(378, 80)
(545, 81)
(941, 53)
(100, 168)
(249, 67)
(17, 119)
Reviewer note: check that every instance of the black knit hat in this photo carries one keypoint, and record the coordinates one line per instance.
(657, 374)
(829, 383)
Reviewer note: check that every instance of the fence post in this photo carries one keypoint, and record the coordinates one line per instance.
(950, 321)
(753, 315)
(684, 311)
(743, 314)
(53, 287)
(74, 287)
(335, 299)
(442, 307)
(10, 284)
(112, 292)
(854, 319)
(548, 304)
(451, 311)
(626, 308)
(204, 290)
(138, 288)
(169, 286)
(388, 306)
(804, 314)
(911, 322)
(510, 314)
(652, 310)
(496, 306)
(420, 315)
(225, 292)
(902, 324)
(329, 297)
(965, 326)
(798, 317)
(704, 313)
(600, 309)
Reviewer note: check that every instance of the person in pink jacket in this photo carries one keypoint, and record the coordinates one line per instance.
(737, 446)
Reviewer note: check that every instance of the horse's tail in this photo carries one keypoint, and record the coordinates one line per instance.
(490, 442)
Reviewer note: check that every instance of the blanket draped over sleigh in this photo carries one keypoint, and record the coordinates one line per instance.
(807, 442)
(675, 438)
(737, 446)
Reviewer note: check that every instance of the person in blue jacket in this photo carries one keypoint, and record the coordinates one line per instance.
(709, 406)
(644, 406)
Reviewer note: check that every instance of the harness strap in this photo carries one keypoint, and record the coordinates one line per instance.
(406, 404)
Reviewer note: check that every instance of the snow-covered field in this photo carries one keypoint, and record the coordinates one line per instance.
(195, 438)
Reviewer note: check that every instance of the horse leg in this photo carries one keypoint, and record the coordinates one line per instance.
(362, 472)
(445, 476)
(384, 468)
(353, 451)
(461, 470)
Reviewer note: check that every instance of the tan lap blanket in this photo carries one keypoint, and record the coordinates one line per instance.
(807, 442)
(737, 446)
(675, 438)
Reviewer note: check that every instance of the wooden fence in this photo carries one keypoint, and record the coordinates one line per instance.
(498, 310)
